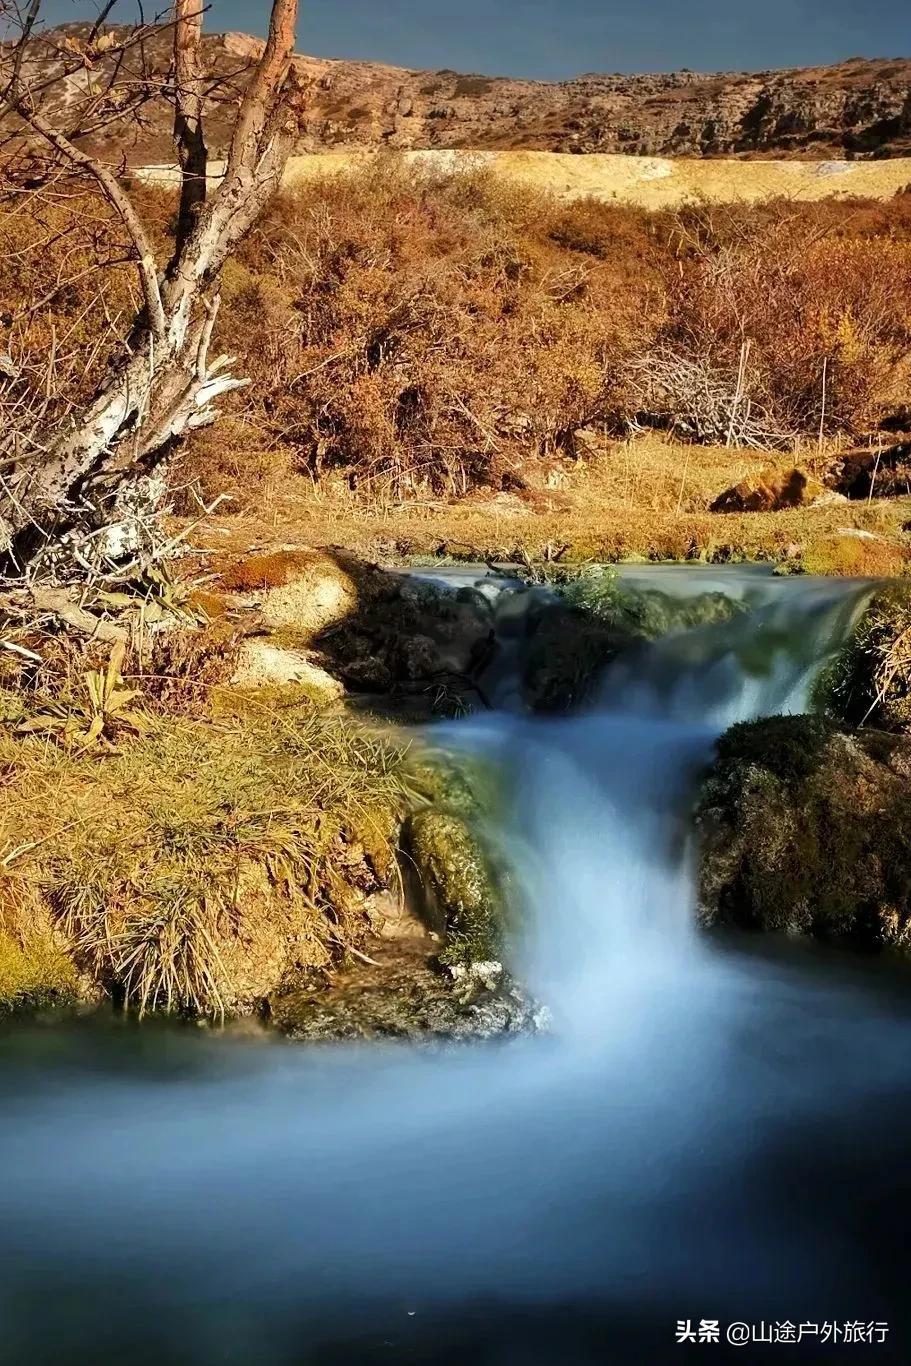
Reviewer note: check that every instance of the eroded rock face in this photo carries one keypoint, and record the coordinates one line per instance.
(806, 829)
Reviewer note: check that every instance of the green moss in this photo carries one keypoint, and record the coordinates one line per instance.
(464, 884)
(464, 785)
(458, 879)
(787, 747)
(596, 616)
(806, 829)
(34, 972)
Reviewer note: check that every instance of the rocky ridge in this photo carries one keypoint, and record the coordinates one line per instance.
(856, 108)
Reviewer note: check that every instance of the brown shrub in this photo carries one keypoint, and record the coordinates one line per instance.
(816, 298)
(420, 335)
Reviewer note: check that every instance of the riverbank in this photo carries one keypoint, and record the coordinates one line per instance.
(241, 826)
(647, 498)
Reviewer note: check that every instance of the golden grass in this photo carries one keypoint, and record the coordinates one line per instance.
(647, 498)
(195, 865)
(647, 182)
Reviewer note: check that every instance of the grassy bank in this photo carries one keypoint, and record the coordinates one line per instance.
(645, 498)
(197, 864)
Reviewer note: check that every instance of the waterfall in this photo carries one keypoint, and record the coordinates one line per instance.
(597, 807)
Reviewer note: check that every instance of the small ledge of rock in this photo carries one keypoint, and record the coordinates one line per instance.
(401, 995)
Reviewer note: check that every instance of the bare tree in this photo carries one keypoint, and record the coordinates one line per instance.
(82, 477)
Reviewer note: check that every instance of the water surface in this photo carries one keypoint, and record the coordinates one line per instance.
(717, 1127)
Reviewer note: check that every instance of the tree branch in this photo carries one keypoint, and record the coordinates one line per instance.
(258, 103)
(119, 200)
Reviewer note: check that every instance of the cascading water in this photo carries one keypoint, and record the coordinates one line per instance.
(711, 1131)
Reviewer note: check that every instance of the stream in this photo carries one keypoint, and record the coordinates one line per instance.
(715, 1128)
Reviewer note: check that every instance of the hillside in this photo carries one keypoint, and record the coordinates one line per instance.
(857, 108)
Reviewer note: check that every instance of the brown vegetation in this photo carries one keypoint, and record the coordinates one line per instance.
(414, 340)
(424, 335)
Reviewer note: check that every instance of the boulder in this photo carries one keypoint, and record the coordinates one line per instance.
(302, 591)
(771, 490)
(415, 632)
(806, 829)
(878, 472)
(261, 663)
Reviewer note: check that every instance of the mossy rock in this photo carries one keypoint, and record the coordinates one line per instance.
(806, 829)
(459, 884)
(467, 786)
(463, 884)
(593, 618)
(869, 680)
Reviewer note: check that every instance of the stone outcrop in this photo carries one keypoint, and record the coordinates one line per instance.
(772, 490)
(806, 829)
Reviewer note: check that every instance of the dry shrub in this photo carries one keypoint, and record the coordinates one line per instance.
(68, 293)
(818, 308)
(418, 335)
(198, 863)
(425, 334)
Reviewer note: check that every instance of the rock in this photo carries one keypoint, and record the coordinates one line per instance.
(878, 472)
(260, 663)
(771, 490)
(591, 620)
(567, 652)
(462, 899)
(586, 441)
(807, 829)
(412, 631)
(368, 673)
(401, 995)
(303, 591)
(420, 657)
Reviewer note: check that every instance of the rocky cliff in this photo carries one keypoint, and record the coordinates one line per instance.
(857, 108)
